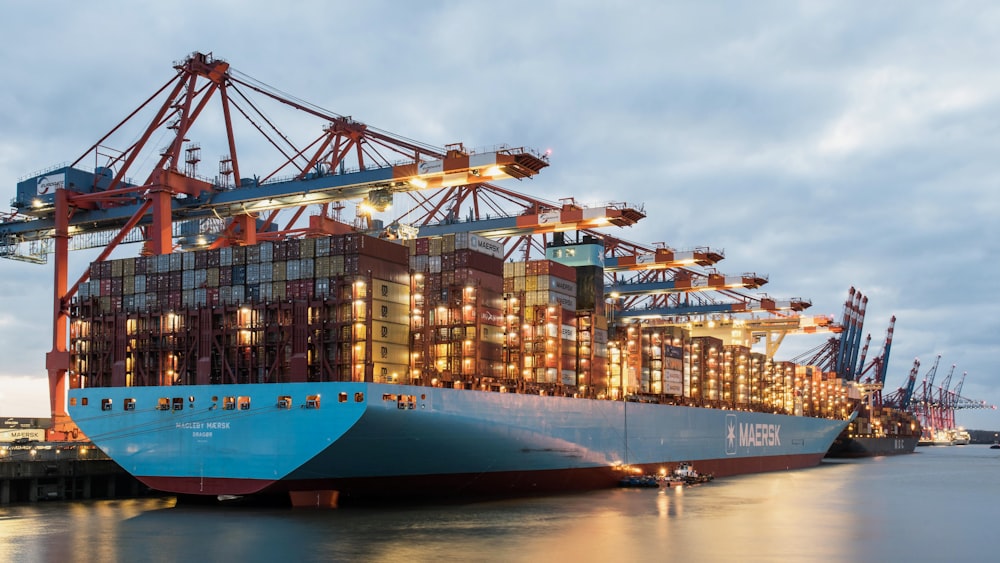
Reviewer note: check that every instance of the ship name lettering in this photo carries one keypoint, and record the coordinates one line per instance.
(218, 425)
(190, 425)
(760, 434)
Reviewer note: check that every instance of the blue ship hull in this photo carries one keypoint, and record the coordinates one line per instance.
(377, 440)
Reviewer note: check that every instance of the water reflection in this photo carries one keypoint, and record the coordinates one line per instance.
(863, 510)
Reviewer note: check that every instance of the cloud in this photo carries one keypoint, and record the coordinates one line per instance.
(825, 144)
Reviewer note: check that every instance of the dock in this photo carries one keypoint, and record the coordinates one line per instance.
(45, 471)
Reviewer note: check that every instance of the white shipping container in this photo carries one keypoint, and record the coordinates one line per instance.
(323, 246)
(266, 252)
(562, 286)
(569, 332)
(253, 273)
(568, 377)
(485, 245)
(8, 435)
(322, 288)
(307, 267)
(419, 263)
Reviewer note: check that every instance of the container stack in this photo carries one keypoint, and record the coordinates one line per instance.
(662, 359)
(324, 309)
(592, 352)
(541, 322)
(706, 368)
(456, 326)
(433, 311)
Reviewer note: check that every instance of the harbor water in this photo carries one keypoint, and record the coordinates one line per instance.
(938, 504)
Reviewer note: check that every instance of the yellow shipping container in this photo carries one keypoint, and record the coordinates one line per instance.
(387, 372)
(391, 353)
(393, 333)
(307, 248)
(337, 265)
(514, 269)
(390, 311)
(323, 266)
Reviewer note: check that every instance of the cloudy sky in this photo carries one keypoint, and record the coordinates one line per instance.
(823, 144)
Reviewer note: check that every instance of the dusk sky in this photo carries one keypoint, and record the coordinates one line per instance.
(826, 145)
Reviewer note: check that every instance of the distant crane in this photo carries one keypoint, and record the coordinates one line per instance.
(902, 398)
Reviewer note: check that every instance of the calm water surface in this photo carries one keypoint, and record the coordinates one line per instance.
(939, 504)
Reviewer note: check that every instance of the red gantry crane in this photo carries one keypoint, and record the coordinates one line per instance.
(119, 201)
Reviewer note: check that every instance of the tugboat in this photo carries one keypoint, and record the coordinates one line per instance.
(685, 474)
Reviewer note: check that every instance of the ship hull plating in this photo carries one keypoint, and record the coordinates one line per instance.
(844, 447)
(376, 440)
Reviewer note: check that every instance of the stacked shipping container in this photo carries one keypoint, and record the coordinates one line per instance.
(456, 328)
(542, 339)
(329, 308)
(433, 311)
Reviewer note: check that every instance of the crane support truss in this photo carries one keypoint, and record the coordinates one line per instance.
(348, 160)
(772, 331)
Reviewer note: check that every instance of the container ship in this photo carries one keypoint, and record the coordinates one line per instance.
(238, 356)
(878, 432)
(358, 368)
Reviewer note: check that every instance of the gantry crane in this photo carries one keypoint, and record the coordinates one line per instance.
(841, 354)
(927, 409)
(902, 398)
(936, 406)
(526, 224)
(348, 159)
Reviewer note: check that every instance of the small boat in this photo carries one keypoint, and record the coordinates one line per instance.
(639, 481)
(995, 446)
(685, 474)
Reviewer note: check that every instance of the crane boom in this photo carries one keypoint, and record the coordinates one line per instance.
(348, 160)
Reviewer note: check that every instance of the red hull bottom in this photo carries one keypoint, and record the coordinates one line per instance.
(462, 486)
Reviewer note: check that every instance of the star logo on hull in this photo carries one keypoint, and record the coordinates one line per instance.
(730, 434)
